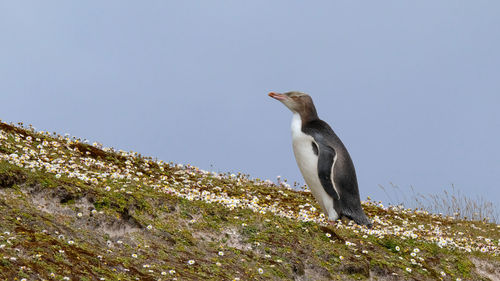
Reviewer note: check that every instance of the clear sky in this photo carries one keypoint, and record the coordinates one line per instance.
(411, 87)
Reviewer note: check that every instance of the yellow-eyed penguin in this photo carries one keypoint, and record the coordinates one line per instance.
(323, 160)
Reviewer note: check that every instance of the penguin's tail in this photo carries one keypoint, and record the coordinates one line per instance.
(358, 217)
(363, 220)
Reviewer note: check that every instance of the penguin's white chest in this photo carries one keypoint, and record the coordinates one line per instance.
(307, 161)
(304, 153)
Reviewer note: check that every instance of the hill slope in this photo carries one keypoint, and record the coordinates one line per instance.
(73, 211)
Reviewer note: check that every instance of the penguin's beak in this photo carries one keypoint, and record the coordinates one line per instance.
(279, 97)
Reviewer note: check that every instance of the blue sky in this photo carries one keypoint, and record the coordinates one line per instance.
(411, 87)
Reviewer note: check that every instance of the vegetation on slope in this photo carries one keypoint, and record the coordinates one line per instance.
(451, 202)
(74, 211)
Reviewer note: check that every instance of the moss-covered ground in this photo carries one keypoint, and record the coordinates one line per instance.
(74, 211)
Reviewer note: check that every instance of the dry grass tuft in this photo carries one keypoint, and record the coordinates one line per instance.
(451, 203)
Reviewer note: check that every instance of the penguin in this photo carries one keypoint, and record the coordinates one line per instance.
(323, 160)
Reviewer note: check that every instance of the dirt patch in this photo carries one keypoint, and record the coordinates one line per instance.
(312, 272)
(361, 268)
(488, 269)
(119, 227)
(80, 208)
(382, 274)
(231, 236)
(56, 201)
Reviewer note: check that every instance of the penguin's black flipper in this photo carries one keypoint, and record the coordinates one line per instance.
(325, 162)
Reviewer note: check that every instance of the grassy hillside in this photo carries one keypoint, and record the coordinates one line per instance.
(74, 211)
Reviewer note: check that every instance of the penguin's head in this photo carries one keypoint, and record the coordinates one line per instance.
(297, 102)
